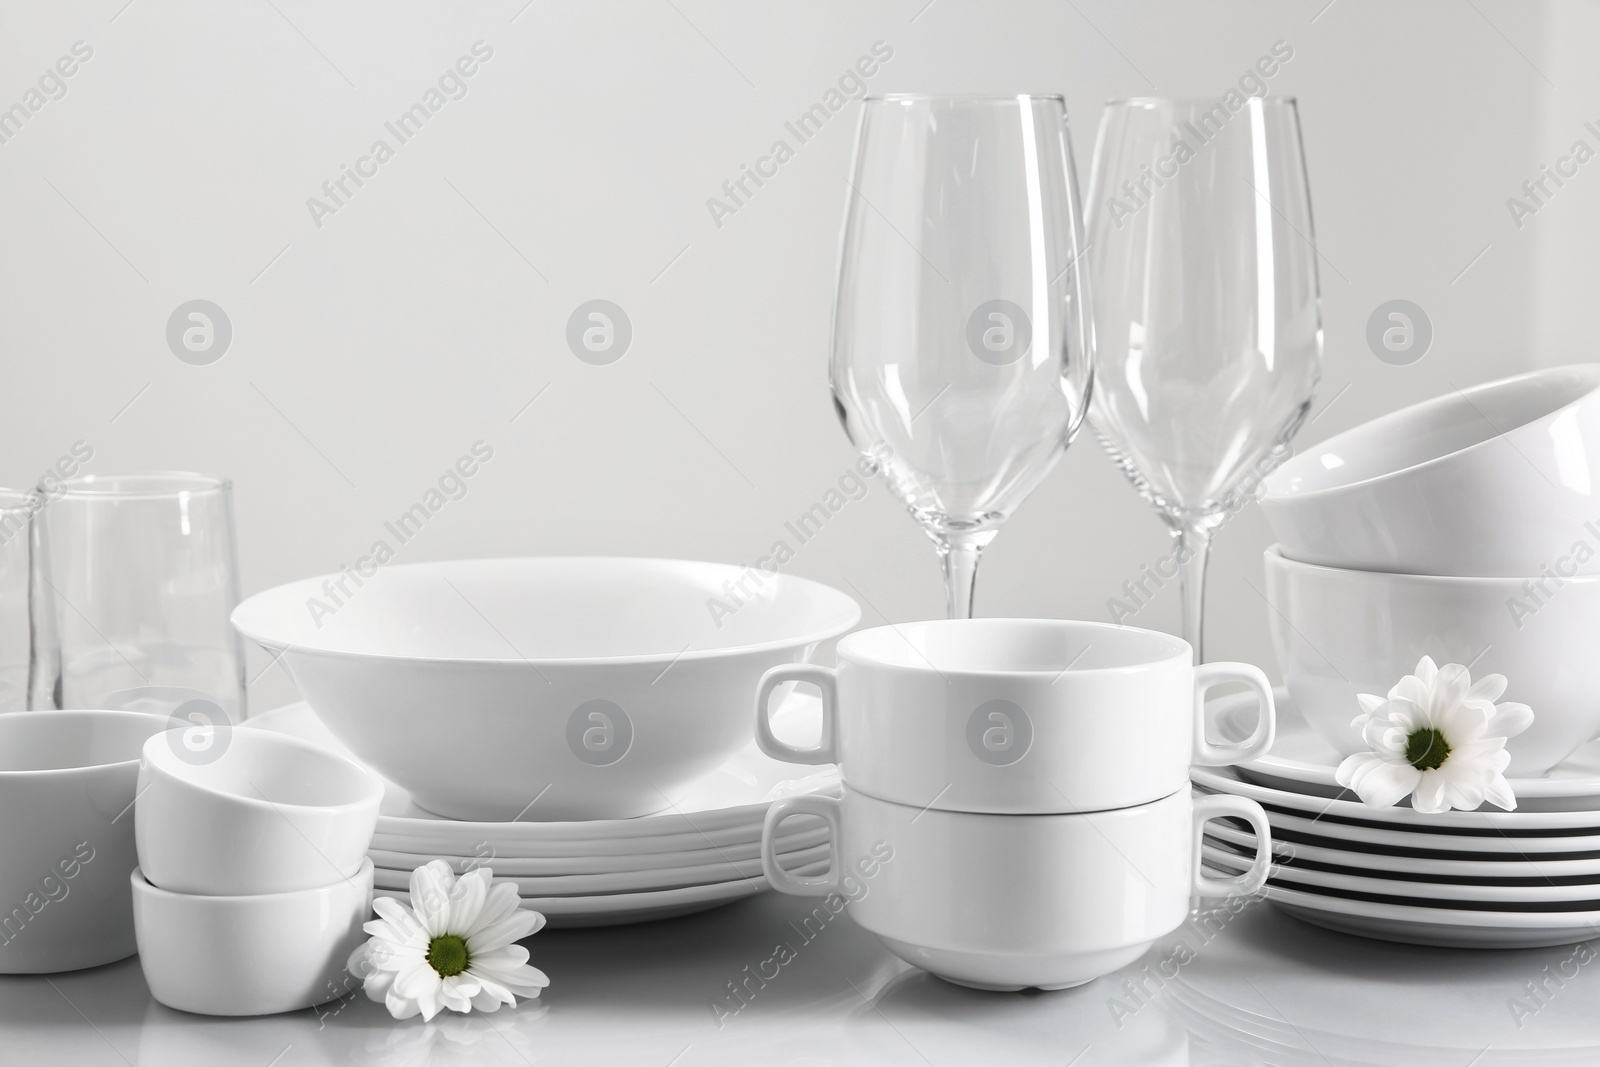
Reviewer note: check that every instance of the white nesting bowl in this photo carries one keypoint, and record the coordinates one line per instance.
(67, 782)
(1340, 632)
(1499, 479)
(250, 955)
(542, 688)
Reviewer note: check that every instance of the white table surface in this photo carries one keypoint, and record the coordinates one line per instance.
(1263, 989)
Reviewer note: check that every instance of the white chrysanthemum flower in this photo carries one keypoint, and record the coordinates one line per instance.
(455, 947)
(1439, 738)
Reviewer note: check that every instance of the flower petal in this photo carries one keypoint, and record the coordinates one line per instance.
(1428, 797)
(1510, 719)
(1384, 783)
(1449, 690)
(1489, 687)
(430, 896)
(1499, 793)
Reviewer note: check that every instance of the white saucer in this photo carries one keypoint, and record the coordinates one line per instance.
(1505, 866)
(1493, 822)
(1437, 894)
(1303, 761)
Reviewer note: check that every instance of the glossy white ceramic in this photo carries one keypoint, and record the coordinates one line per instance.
(251, 812)
(1336, 853)
(250, 955)
(1341, 632)
(1015, 716)
(67, 782)
(1010, 902)
(720, 810)
(1302, 761)
(1498, 479)
(598, 687)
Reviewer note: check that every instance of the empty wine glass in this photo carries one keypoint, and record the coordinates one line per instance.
(1208, 328)
(961, 326)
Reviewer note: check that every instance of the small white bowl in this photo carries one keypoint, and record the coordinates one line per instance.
(250, 955)
(543, 688)
(1339, 632)
(1498, 479)
(251, 811)
(67, 781)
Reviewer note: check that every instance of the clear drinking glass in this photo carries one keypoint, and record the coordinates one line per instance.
(961, 332)
(143, 575)
(27, 636)
(1208, 328)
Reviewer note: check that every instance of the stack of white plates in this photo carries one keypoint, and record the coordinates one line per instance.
(1489, 878)
(698, 854)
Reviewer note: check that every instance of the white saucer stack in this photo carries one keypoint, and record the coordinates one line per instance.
(702, 852)
(1473, 879)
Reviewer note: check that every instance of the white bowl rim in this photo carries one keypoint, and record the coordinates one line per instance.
(1274, 554)
(1180, 649)
(1411, 411)
(364, 873)
(374, 783)
(57, 713)
(845, 621)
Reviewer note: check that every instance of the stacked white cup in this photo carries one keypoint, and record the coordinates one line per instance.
(1016, 809)
(253, 882)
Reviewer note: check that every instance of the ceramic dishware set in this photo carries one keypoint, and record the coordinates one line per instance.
(253, 881)
(1464, 529)
(1016, 809)
(580, 726)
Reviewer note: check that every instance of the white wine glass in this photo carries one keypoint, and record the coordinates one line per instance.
(961, 333)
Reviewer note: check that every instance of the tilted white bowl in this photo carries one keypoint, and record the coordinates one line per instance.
(542, 688)
(1497, 479)
(1340, 632)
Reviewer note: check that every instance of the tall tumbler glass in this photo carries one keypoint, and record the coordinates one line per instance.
(143, 574)
(27, 631)
(1208, 329)
(961, 327)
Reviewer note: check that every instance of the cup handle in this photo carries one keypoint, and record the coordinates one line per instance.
(1212, 674)
(1240, 885)
(819, 885)
(824, 679)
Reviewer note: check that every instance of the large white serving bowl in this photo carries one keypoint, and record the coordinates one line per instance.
(1498, 479)
(1341, 632)
(542, 688)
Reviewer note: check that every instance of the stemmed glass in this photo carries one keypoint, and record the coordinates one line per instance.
(1207, 322)
(961, 330)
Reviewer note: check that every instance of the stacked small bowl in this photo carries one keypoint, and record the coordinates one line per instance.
(1465, 529)
(253, 883)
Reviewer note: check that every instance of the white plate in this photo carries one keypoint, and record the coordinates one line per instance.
(522, 866)
(1443, 927)
(1359, 862)
(732, 798)
(624, 881)
(1302, 761)
(1441, 894)
(611, 909)
(1530, 847)
(1226, 780)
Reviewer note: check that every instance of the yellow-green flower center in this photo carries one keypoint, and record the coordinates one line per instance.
(447, 954)
(1426, 749)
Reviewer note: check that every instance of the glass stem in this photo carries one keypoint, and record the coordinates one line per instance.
(959, 556)
(1194, 545)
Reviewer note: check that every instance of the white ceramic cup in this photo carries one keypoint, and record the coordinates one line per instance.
(1340, 632)
(1016, 901)
(230, 811)
(250, 955)
(67, 780)
(1038, 716)
(1493, 480)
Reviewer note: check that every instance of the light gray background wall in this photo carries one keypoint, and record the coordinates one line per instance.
(370, 352)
